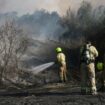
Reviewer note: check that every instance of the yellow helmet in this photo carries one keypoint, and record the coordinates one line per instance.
(100, 66)
(58, 49)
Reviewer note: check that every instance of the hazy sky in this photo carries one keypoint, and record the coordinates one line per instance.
(25, 6)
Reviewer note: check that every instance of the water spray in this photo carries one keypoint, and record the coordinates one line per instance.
(40, 68)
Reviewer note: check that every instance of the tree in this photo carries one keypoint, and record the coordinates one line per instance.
(13, 44)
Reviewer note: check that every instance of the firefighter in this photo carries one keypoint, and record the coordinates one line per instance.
(61, 60)
(88, 54)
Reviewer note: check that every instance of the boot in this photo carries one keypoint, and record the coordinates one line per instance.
(94, 92)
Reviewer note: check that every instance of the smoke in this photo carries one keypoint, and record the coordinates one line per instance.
(86, 24)
(42, 24)
(29, 6)
(2, 4)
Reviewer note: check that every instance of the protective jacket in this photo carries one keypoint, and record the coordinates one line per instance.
(61, 58)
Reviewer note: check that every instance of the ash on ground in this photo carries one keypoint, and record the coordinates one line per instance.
(50, 94)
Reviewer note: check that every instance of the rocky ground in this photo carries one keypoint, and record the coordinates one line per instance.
(50, 94)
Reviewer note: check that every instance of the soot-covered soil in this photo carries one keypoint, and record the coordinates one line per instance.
(50, 94)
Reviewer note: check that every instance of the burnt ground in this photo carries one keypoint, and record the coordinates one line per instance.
(50, 94)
